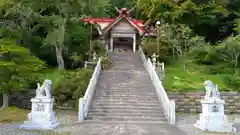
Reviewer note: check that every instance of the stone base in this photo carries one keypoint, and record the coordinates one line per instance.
(215, 127)
(43, 125)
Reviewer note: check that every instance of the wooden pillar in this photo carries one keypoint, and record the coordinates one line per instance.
(111, 43)
(134, 43)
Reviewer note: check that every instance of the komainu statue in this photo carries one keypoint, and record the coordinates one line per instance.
(211, 90)
(44, 90)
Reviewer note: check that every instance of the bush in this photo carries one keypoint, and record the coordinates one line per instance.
(67, 85)
(233, 82)
(99, 47)
(71, 85)
(106, 62)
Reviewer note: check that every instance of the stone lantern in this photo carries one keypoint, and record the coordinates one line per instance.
(154, 59)
(94, 57)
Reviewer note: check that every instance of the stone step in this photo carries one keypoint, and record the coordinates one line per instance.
(124, 58)
(131, 96)
(150, 104)
(124, 87)
(136, 59)
(125, 118)
(131, 56)
(111, 71)
(131, 77)
(120, 110)
(124, 122)
(127, 98)
(123, 93)
(125, 63)
(127, 107)
(134, 88)
(128, 81)
(140, 114)
(128, 57)
(126, 75)
(118, 68)
(140, 90)
(102, 93)
(101, 100)
(128, 65)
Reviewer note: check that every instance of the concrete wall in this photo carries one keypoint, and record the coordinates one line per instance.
(189, 102)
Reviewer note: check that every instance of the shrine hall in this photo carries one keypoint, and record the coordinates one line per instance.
(121, 33)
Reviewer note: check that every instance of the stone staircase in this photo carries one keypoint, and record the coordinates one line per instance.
(125, 93)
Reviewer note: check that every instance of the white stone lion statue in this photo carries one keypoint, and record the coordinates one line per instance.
(211, 90)
(45, 89)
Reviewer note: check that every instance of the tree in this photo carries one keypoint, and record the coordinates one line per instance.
(17, 65)
(210, 19)
(53, 18)
(231, 52)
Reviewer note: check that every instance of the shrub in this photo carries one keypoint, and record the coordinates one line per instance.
(99, 47)
(106, 62)
(233, 82)
(71, 85)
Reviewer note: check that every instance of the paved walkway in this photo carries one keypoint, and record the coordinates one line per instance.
(123, 129)
(69, 125)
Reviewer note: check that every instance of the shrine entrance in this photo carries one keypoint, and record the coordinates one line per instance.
(123, 44)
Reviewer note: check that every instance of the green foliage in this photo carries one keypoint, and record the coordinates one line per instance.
(100, 48)
(173, 40)
(233, 82)
(221, 58)
(214, 20)
(106, 62)
(69, 85)
(52, 31)
(177, 79)
(17, 66)
(231, 52)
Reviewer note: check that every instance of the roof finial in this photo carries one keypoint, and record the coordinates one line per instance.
(118, 10)
(128, 12)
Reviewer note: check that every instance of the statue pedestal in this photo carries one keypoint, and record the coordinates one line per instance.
(212, 117)
(41, 116)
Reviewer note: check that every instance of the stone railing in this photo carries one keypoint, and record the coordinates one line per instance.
(168, 105)
(85, 102)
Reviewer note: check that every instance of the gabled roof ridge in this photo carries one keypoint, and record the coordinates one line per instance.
(129, 19)
(88, 19)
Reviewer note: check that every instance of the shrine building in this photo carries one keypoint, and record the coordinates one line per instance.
(121, 33)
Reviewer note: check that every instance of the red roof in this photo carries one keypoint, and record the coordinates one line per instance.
(106, 20)
(122, 13)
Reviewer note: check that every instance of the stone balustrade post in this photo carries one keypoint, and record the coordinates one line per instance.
(81, 112)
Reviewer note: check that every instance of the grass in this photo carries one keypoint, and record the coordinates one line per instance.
(13, 114)
(176, 79)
